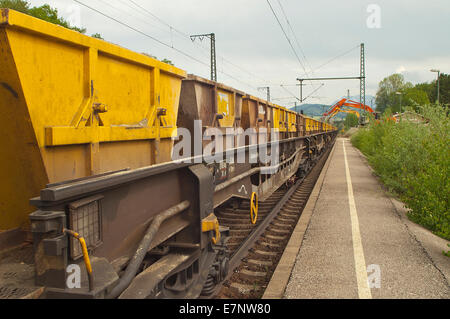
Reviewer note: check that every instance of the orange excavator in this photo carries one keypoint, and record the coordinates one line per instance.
(344, 110)
(343, 105)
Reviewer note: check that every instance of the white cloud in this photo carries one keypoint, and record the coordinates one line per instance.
(400, 69)
(411, 41)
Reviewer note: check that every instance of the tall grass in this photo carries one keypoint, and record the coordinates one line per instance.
(413, 161)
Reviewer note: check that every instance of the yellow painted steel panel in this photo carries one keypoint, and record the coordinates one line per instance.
(276, 118)
(22, 170)
(282, 119)
(74, 106)
(292, 121)
(225, 106)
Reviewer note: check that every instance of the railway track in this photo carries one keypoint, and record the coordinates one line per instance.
(256, 249)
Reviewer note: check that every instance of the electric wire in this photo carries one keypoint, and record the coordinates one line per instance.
(295, 36)
(185, 35)
(288, 39)
(159, 41)
(337, 57)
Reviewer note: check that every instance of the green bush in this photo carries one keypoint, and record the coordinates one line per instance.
(413, 160)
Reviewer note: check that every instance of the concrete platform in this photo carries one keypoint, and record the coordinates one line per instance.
(355, 241)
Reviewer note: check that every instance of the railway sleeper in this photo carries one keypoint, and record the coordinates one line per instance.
(275, 237)
(269, 245)
(290, 214)
(285, 220)
(252, 276)
(260, 262)
(264, 253)
(244, 289)
(282, 225)
(278, 230)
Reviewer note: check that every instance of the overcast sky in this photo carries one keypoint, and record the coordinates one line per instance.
(406, 36)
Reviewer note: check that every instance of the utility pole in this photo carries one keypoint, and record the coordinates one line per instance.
(362, 81)
(348, 94)
(267, 89)
(212, 37)
(361, 78)
(438, 75)
(301, 90)
(324, 79)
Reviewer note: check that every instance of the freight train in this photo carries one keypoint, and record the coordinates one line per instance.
(98, 199)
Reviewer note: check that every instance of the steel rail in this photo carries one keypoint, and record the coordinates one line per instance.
(253, 237)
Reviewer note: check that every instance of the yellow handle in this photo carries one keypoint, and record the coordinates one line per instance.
(217, 237)
(211, 223)
(87, 261)
(254, 208)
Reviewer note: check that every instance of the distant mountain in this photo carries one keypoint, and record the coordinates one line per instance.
(312, 110)
(316, 110)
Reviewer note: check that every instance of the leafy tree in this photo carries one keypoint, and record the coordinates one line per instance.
(414, 97)
(431, 89)
(411, 95)
(426, 87)
(149, 55)
(18, 5)
(386, 96)
(167, 61)
(154, 57)
(97, 36)
(50, 14)
(351, 120)
(44, 12)
(444, 89)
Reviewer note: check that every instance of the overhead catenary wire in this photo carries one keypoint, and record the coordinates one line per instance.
(287, 37)
(187, 36)
(292, 94)
(141, 32)
(314, 91)
(121, 10)
(295, 36)
(159, 41)
(182, 35)
(337, 57)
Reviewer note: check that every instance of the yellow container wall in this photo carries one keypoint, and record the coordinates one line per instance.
(283, 119)
(292, 122)
(225, 106)
(75, 106)
(276, 118)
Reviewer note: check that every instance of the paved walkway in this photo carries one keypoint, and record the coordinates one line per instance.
(357, 234)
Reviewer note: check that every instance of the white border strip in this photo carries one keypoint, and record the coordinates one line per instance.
(358, 252)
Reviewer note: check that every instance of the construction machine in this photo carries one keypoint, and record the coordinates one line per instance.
(345, 105)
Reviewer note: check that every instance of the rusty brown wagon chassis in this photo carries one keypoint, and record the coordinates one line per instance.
(149, 231)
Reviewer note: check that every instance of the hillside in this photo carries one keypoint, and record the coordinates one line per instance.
(316, 110)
